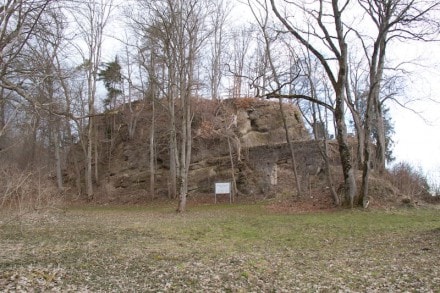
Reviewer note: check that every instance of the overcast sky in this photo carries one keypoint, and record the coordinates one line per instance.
(417, 139)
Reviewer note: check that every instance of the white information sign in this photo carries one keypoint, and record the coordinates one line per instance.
(223, 188)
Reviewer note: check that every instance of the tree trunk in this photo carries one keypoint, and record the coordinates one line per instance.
(173, 149)
(89, 144)
(344, 151)
(269, 60)
(182, 195)
(324, 154)
(338, 48)
(292, 151)
(186, 83)
(380, 139)
(77, 169)
(58, 171)
(375, 75)
(231, 158)
(173, 165)
(363, 197)
(340, 86)
(152, 152)
(152, 95)
(96, 155)
(185, 152)
(2, 113)
(360, 146)
(88, 172)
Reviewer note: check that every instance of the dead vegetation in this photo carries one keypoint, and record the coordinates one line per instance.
(25, 192)
(223, 248)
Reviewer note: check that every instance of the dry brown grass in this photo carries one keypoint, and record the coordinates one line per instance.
(26, 191)
(223, 248)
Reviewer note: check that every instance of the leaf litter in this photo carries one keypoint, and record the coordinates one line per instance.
(114, 250)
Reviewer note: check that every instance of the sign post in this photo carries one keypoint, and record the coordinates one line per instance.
(223, 188)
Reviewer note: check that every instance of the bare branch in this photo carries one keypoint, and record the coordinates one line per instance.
(275, 95)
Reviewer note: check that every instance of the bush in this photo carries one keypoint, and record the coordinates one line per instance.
(411, 182)
(22, 191)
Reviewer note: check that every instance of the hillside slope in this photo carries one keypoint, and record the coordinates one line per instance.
(237, 140)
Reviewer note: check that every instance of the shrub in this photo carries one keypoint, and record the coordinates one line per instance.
(410, 181)
(22, 191)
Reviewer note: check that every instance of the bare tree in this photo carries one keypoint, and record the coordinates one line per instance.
(217, 45)
(46, 46)
(318, 115)
(29, 78)
(153, 95)
(151, 85)
(241, 40)
(193, 37)
(262, 18)
(71, 87)
(18, 19)
(91, 19)
(392, 19)
(177, 30)
(327, 27)
(355, 101)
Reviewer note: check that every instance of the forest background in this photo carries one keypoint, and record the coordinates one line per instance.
(355, 65)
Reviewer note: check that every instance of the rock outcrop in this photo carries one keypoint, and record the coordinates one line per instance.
(242, 139)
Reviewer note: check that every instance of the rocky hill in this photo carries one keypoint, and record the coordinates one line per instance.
(241, 140)
(237, 140)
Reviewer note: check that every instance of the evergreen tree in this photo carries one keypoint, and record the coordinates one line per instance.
(112, 78)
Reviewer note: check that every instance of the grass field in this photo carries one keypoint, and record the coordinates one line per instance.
(222, 248)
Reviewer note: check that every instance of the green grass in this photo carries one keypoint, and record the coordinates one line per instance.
(221, 248)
